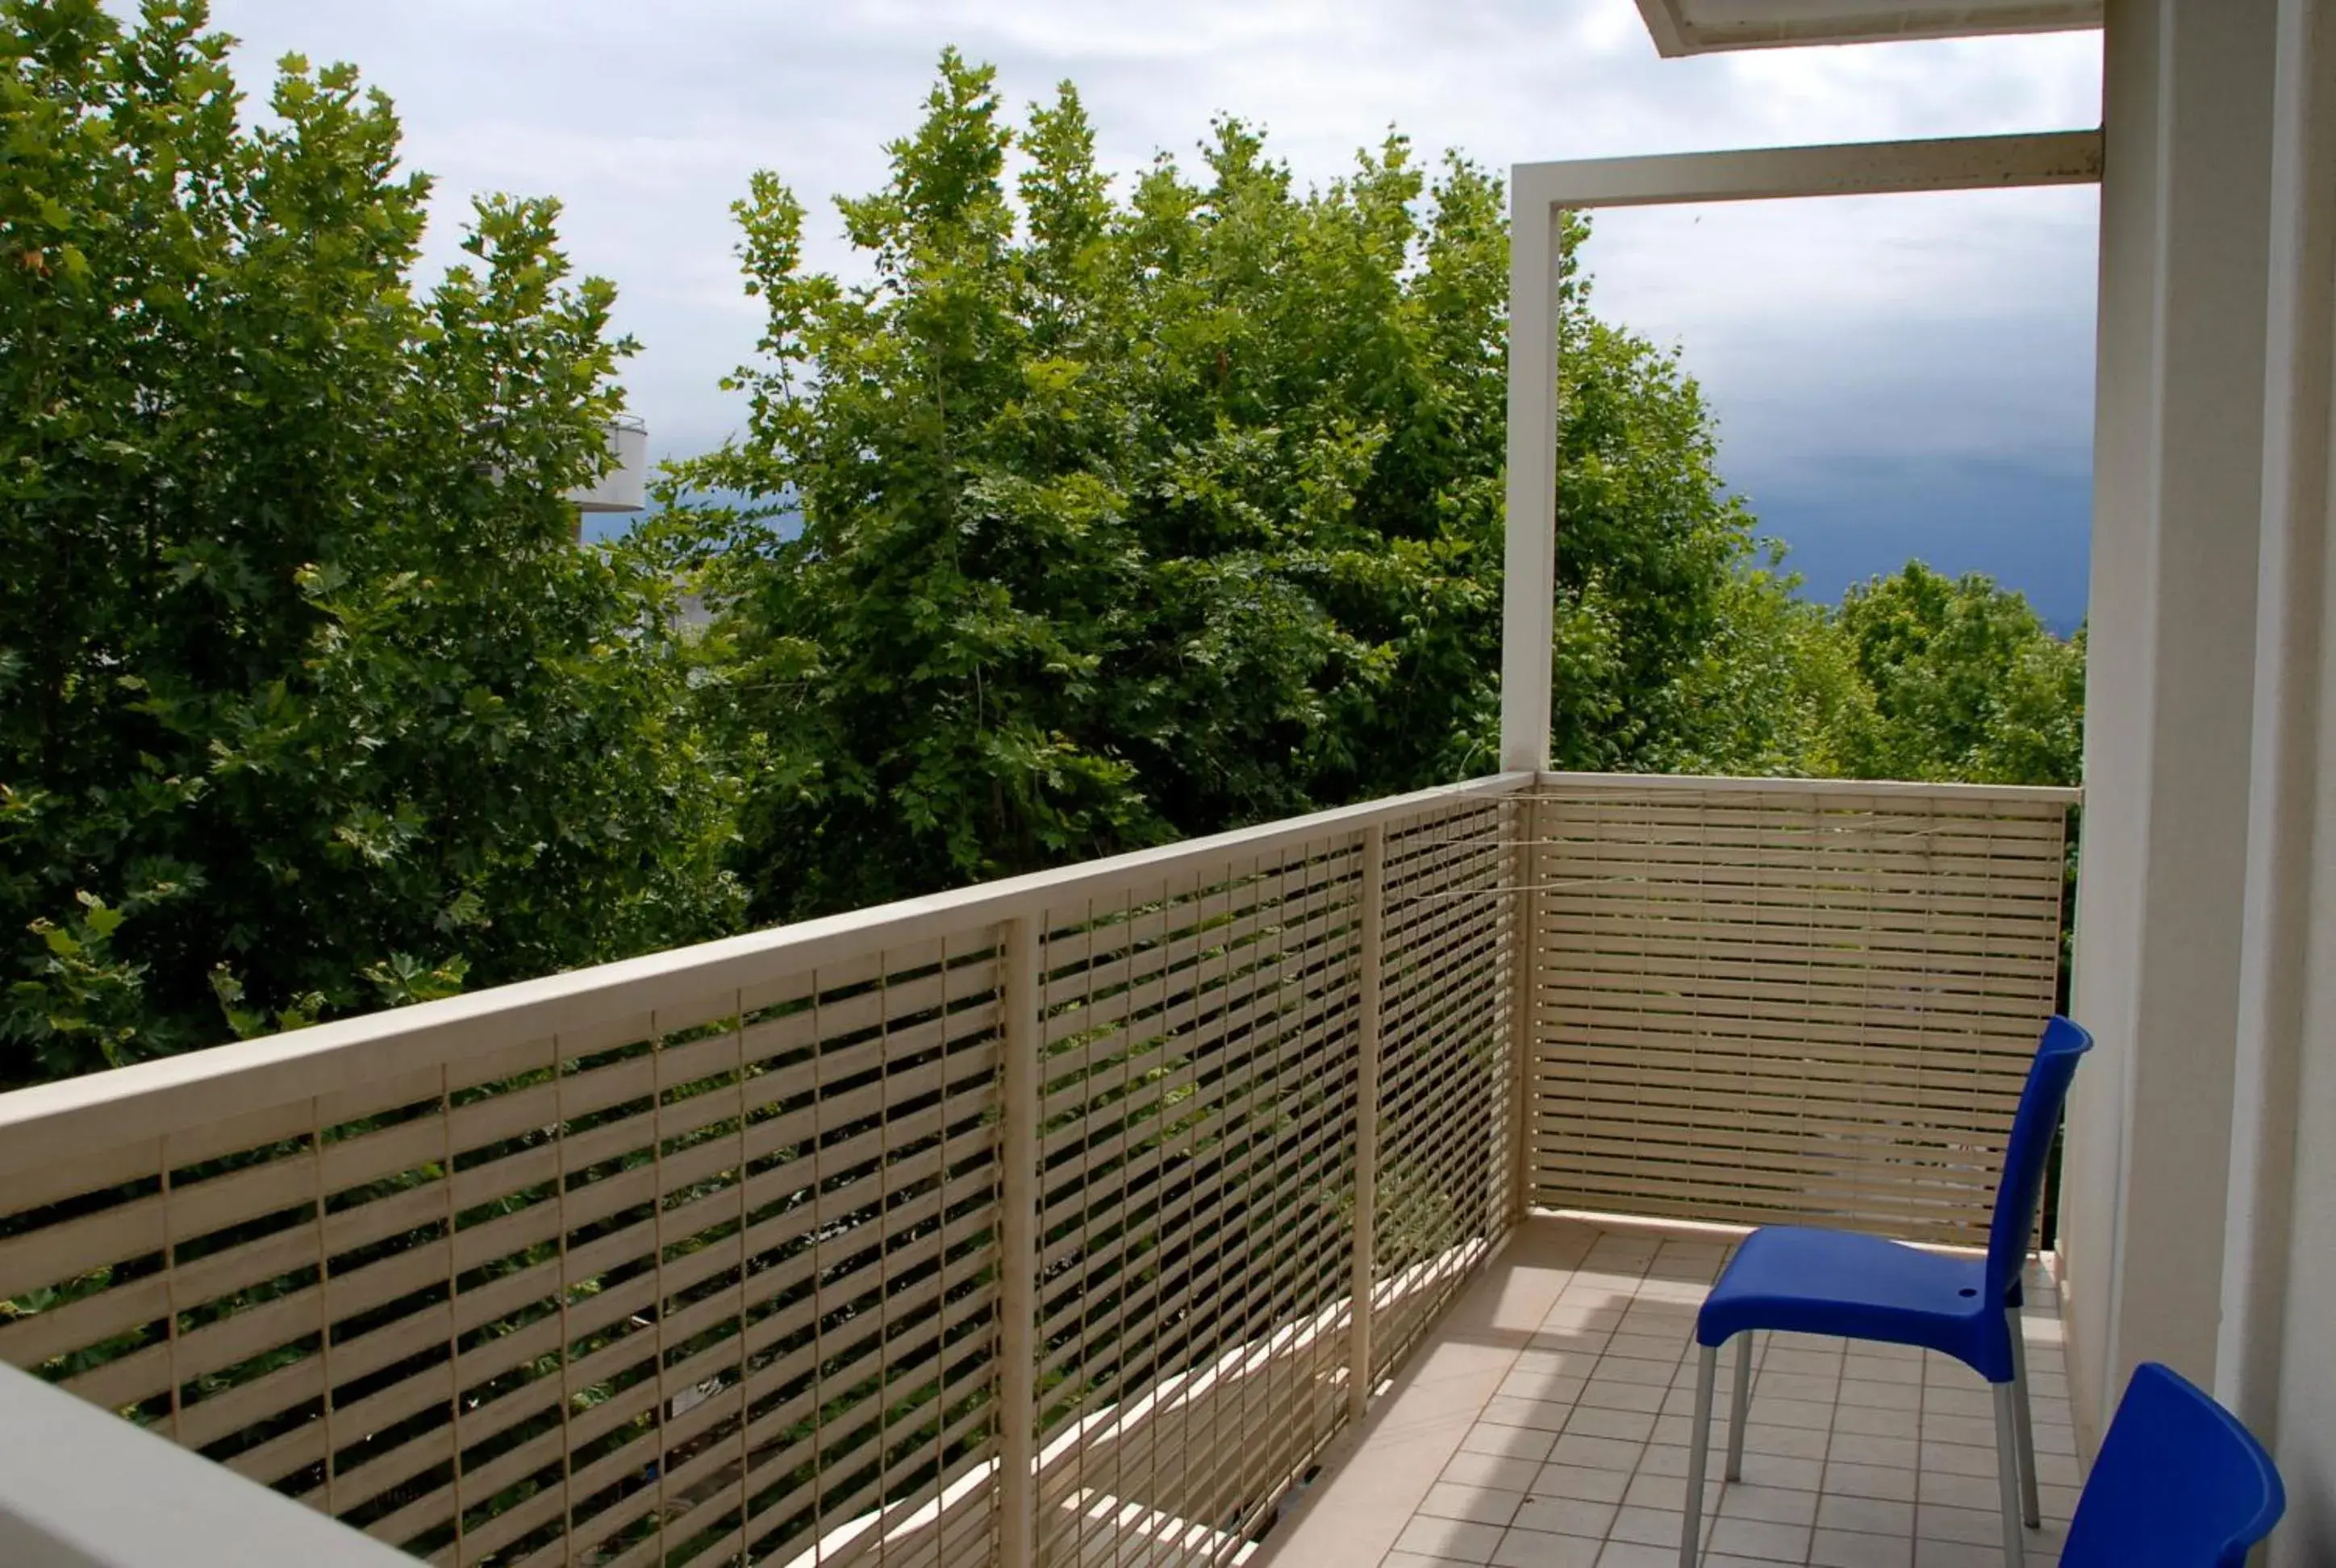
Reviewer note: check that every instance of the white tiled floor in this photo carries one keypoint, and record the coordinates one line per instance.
(1546, 1427)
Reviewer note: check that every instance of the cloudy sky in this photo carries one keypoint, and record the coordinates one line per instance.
(1894, 376)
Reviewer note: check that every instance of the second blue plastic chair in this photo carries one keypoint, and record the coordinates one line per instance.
(1811, 1281)
(2179, 1484)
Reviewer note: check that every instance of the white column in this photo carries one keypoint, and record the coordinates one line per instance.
(2117, 704)
(2303, 1436)
(2178, 468)
(1530, 584)
(2274, 961)
(2273, 1365)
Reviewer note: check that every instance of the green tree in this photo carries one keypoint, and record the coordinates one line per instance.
(1773, 689)
(1965, 682)
(1664, 594)
(1089, 521)
(308, 700)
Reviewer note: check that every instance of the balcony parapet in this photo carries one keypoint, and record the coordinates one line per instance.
(1027, 1220)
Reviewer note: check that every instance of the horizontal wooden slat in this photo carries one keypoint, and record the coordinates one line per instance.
(1739, 993)
(1189, 1156)
(891, 1068)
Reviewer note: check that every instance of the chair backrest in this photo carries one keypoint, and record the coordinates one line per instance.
(2179, 1484)
(2022, 1183)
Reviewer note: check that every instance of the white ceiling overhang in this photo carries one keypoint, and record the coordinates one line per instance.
(1700, 26)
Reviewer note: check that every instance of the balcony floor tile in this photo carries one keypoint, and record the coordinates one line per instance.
(1558, 1444)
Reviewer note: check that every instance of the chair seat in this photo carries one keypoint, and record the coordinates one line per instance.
(1799, 1281)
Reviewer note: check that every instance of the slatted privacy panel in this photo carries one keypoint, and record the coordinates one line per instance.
(1196, 1144)
(689, 1285)
(1445, 1178)
(1768, 1001)
(707, 1257)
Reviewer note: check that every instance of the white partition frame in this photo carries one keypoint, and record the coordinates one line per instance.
(1540, 194)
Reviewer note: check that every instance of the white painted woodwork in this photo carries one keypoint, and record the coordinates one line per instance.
(1843, 169)
(1529, 580)
(1540, 193)
(2279, 1259)
(2178, 466)
(2282, 832)
(79, 1488)
(1700, 26)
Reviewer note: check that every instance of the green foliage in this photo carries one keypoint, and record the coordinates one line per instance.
(1094, 518)
(307, 701)
(1961, 681)
(1123, 519)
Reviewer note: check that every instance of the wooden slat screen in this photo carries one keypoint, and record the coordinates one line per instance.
(1197, 1130)
(703, 1258)
(700, 1258)
(682, 1282)
(1198, 1150)
(1449, 1086)
(1780, 1000)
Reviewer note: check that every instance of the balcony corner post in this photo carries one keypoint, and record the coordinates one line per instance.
(1018, 1435)
(1529, 587)
(1373, 944)
(1525, 875)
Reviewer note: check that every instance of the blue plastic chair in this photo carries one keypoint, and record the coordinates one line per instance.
(2179, 1484)
(1810, 1281)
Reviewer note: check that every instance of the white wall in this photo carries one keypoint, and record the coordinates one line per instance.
(2303, 1436)
(2276, 959)
(2275, 1368)
(2122, 597)
(2200, 1211)
(2185, 238)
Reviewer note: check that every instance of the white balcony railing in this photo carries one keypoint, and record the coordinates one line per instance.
(1023, 1223)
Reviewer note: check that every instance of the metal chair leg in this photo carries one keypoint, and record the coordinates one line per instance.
(2031, 1510)
(2007, 1470)
(1741, 1411)
(1698, 1444)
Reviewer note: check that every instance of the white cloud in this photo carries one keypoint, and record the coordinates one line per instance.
(1926, 325)
(1950, 325)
